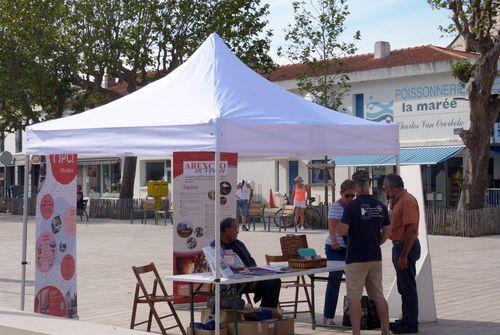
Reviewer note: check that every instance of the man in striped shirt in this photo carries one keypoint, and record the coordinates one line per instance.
(335, 249)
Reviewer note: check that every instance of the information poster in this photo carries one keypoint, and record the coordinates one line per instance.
(194, 208)
(55, 250)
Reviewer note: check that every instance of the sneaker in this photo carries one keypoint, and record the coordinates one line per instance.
(245, 228)
(328, 321)
(396, 324)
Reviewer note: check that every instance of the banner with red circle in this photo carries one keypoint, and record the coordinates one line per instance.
(55, 249)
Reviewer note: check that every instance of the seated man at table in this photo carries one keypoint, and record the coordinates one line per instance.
(267, 290)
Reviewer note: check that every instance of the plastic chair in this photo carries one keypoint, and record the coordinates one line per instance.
(152, 298)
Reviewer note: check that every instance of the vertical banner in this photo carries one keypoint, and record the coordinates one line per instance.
(194, 208)
(55, 250)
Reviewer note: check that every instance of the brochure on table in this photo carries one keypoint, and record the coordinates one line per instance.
(55, 250)
(194, 209)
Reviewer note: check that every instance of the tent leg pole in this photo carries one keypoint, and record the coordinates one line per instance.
(217, 237)
(398, 164)
(25, 229)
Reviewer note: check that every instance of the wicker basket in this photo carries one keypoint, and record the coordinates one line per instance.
(290, 245)
(307, 263)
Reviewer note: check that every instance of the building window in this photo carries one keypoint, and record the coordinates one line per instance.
(111, 177)
(19, 140)
(359, 103)
(159, 170)
(317, 174)
(20, 175)
(94, 181)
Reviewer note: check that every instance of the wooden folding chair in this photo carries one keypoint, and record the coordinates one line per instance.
(297, 284)
(151, 299)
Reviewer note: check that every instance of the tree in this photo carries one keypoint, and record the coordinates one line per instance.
(55, 51)
(315, 42)
(476, 22)
(36, 62)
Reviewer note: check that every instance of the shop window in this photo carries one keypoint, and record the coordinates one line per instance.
(155, 171)
(111, 178)
(94, 180)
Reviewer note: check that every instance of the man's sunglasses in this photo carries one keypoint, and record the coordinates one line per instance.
(350, 196)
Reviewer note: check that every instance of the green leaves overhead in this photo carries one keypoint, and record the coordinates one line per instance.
(56, 51)
(314, 40)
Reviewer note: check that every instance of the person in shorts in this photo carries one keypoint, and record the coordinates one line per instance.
(365, 221)
(244, 194)
(299, 197)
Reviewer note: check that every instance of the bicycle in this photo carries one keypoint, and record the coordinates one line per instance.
(312, 216)
(285, 216)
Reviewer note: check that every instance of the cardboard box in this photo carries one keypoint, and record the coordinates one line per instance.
(267, 327)
(223, 331)
(226, 315)
(285, 326)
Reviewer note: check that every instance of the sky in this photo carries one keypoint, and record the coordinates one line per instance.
(402, 23)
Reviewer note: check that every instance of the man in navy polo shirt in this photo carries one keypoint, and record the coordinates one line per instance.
(365, 221)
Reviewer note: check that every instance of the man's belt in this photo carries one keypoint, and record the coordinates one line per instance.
(400, 242)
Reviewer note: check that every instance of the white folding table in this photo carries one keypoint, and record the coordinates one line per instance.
(209, 278)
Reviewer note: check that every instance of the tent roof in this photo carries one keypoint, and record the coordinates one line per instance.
(213, 92)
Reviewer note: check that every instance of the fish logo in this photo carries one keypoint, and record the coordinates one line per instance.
(378, 111)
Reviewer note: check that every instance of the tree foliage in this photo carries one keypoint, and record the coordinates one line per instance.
(57, 51)
(476, 22)
(36, 61)
(315, 41)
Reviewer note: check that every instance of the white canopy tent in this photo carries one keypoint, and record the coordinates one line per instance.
(213, 102)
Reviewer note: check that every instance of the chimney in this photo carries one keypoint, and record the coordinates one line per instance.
(382, 49)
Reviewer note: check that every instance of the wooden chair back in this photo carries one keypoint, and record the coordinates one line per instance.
(151, 298)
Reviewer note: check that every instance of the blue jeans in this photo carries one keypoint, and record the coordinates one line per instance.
(334, 279)
(241, 207)
(407, 285)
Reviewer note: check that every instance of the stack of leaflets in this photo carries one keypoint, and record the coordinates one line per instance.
(232, 266)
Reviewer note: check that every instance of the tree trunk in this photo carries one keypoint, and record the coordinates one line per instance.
(483, 114)
(128, 177)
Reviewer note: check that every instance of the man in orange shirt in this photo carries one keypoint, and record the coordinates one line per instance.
(405, 218)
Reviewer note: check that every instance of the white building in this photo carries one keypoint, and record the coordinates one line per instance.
(412, 87)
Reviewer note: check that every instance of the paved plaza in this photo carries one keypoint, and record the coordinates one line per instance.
(466, 273)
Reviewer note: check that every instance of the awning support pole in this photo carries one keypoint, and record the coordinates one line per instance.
(217, 232)
(25, 229)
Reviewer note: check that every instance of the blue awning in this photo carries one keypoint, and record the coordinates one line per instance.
(409, 156)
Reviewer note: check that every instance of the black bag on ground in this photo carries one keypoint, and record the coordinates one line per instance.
(369, 316)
